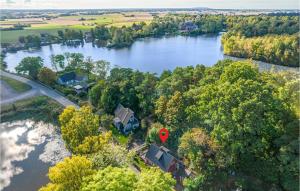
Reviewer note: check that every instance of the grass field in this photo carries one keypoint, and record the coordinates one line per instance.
(40, 25)
(16, 85)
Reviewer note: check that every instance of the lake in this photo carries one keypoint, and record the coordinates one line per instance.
(28, 149)
(147, 55)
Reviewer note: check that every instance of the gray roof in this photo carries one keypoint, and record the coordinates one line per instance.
(160, 156)
(123, 114)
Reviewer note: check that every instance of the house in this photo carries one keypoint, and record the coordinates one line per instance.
(72, 79)
(125, 120)
(188, 26)
(160, 156)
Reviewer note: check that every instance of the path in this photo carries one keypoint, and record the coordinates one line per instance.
(36, 90)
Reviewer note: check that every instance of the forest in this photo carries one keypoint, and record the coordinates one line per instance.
(233, 126)
(271, 39)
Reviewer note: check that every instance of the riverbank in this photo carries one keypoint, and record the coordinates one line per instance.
(38, 108)
(264, 66)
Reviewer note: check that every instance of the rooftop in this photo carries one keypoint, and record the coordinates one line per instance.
(160, 156)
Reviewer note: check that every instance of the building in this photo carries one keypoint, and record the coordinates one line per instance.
(160, 156)
(125, 120)
(72, 79)
(188, 26)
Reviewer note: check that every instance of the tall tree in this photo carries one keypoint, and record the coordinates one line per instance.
(30, 66)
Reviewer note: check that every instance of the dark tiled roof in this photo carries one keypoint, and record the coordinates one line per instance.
(68, 77)
(123, 114)
(160, 156)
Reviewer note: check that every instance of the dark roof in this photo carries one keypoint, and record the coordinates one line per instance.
(68, 77)
(160, 156)
(123, 114)
(71, 76)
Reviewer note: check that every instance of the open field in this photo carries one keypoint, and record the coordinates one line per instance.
(16, 85)
(79, 22)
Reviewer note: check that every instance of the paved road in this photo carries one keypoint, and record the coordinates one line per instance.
(37, 89)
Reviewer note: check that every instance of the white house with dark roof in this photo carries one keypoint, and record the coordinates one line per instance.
(125, 120)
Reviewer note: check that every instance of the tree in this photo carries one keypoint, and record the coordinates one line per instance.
(106, 120)
(244, 118)
(154, 132)
(3, 64)
(30, 66)
(112, 155)
(101, 69)
(58, 61)
(96, 92)
(154, 179)
(68, 174)
(111, 178)
(47, 76)
(93, 144)
(74, 60)
(198, 149)
(76, 125)
(171, 111)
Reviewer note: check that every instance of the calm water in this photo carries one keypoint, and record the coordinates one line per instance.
(148, 55)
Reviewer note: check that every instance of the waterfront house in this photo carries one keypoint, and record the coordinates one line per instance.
(72, 79)
(124, 120)
(188, 26)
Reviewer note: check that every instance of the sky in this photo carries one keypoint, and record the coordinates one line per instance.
(103, 4)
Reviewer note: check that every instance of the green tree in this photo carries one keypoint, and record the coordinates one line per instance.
(245, 119)
(96, 92)
(3, 64)
(58, 61)
(111, 178)
(112, 155)
(154, 179)
(101, 69)
(68, 174)
(30, 66)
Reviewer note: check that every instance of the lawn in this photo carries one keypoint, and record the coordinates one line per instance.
(38, 25)
(39, 108)
(16, 85)
(122, 139)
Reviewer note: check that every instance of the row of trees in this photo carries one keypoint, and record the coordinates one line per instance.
(277, 49)
(171, 24)
(70, 34)
(30, 40)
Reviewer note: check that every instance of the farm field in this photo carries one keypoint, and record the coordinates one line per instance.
(77, 22)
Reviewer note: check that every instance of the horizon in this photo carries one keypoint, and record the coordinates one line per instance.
(153, 4)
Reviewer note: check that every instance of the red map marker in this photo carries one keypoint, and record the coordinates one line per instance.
(163, 134)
